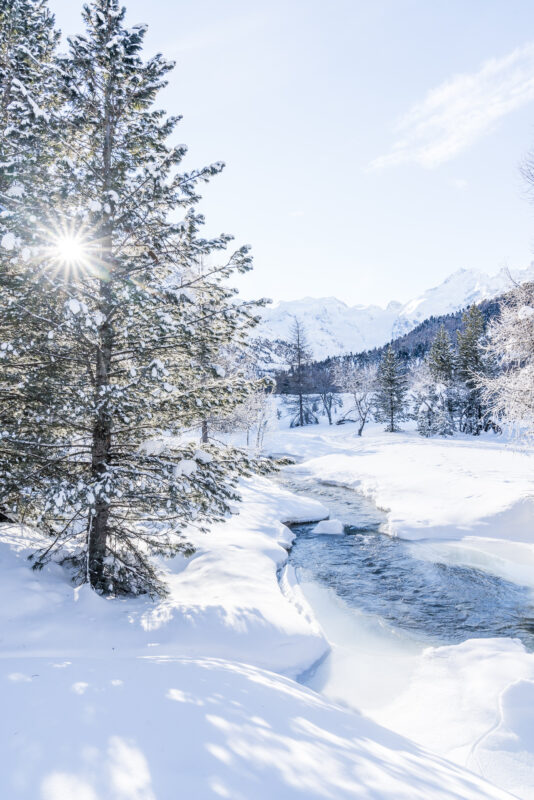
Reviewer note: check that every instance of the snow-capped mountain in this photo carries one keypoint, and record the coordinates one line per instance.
(333, 327)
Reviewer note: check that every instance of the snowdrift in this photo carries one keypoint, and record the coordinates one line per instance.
(163, 728)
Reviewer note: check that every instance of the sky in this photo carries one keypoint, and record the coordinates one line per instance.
(372, 147)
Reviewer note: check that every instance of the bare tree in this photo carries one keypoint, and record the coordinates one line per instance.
(360, 383)
(325, 387)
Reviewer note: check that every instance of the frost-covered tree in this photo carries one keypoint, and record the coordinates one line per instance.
(360, 382)
(103, 350)
(255, 416)
(434, 390)
(432, 402)
(509, 390)
(392, 386)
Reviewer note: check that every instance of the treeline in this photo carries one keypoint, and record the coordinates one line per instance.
(411, 347)
(437, 382)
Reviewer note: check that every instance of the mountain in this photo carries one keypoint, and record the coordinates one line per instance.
(333, 327)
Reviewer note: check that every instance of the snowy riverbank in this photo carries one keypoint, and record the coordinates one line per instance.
(461, 501)
(134, 700)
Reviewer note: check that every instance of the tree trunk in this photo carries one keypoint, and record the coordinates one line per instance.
(204, 436)
(100, 459)
(101, 439)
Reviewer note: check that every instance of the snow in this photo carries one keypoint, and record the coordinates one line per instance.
(329, 526)
(8, 241)
(74, 305)
(203, 729)
(333, 327)
(196, 693)
(463, 500)
(438, 488)
(474, 703)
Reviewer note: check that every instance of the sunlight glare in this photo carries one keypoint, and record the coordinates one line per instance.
(70, 250)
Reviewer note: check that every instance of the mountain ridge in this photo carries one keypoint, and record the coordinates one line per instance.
(333, 327)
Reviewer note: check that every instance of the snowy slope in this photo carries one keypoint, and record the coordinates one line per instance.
(334, 327)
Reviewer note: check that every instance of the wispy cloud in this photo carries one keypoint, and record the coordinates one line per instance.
(458, 112)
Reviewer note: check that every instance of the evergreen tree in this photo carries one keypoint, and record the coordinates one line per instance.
(28, 95)
(471, 365)
(28, 88)
(106, 355)
(470, 350)
(432, 404)
(441, 358)
(434, 389)
(299, 355)
(391, 391)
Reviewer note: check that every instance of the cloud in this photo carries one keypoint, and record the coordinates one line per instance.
(458, 112)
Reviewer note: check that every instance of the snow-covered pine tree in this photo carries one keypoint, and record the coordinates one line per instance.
(434, 388)
(432, 402)
(105, 360)
(28, 95)
(441, 357)
(471, 365)
(508, 390)
(392, 386)
(28, 92)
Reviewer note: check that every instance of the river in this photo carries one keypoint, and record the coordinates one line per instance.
(380, 600)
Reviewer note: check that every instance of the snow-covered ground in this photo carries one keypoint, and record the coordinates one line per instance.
(195, 696)
(463, 500)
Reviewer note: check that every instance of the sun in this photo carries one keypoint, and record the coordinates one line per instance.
(70, 251)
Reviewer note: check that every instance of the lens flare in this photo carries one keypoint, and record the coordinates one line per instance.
(70, 251)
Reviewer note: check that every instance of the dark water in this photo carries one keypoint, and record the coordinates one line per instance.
(381, 575)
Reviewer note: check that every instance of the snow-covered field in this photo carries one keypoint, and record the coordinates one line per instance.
(195, 696)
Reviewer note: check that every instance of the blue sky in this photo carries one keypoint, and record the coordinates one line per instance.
(372, 146)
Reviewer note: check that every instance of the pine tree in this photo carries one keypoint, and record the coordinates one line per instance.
(441, 357)
(391, 391)
(106, 360)
(28, 82)
(435, 393)
(299, 355)
(471, 365)
(28, 95)
(470, 350)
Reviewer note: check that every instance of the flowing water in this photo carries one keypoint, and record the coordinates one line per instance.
(374, 574)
